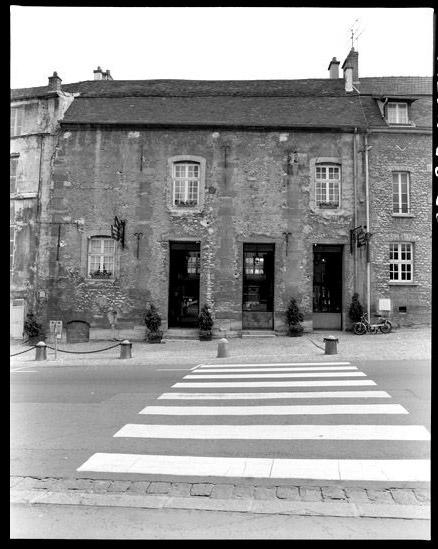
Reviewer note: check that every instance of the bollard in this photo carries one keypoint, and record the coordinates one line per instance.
(41, 351)
(330, 345)
(222, 348)
(125, 349)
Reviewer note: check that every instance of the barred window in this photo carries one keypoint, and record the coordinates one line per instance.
(401, 262)
(101, 257)
(400, 192)
(327, 185)
(186, 183)
(397, 113)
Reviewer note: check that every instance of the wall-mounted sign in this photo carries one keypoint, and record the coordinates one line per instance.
(118, 230)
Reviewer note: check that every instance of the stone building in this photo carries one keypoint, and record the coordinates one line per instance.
(239, 194)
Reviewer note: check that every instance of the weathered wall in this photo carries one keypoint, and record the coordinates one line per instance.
(412, 153)
(253, 196)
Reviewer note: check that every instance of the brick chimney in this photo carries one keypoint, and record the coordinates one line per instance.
(353, 61)
(334, 68)
(55, 82)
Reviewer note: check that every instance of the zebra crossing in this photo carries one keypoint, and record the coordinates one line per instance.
(226, 420)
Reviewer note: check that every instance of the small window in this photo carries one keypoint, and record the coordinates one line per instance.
(397, 113)
(327, 185)
(101, 257)
(186, 184)
(401, 262)
(193, 263)
(400, 193)
(13, 174)
(16, 121)
(254, 263)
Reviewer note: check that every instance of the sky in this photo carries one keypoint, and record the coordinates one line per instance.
(214, 43)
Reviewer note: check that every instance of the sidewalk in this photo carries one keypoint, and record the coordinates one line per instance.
(401, 344)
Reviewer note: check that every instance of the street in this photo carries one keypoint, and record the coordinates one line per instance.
(62, 416)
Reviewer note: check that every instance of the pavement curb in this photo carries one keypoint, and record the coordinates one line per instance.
(328, 509)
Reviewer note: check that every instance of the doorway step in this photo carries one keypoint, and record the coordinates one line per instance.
(258, 333)
(181, 333)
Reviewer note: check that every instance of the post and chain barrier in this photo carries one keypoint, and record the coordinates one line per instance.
(125, 350)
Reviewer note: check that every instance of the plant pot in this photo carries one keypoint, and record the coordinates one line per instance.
(205, 335)
(295, 331)
(154, 337)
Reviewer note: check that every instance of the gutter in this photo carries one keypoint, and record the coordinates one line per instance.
(367, 217)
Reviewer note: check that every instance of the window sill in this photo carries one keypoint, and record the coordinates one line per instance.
(403, 215)
(185, 210)
(397, 283)
(100, 280)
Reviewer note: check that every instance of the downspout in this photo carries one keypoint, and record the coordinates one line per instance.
(355, 206)
(367, 205)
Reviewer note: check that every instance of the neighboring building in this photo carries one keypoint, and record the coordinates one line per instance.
(240, 194)
(34, 125)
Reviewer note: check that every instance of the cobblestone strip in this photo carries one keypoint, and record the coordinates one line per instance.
(356, 495)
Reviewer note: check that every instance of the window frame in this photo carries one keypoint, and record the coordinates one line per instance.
(170, 186)
(328, 203)
(397, 206)
(13, 166)
(186, 181)
(12, 246)
(399, 262)
(17, 121)
(101, 254)
(394, 106)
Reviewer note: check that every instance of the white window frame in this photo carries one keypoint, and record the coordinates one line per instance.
(103, 256)
(328, 189)
(397, 112)
(17, 119)
(186, 185)
(401, 262)
(397, 194)
(13, 174)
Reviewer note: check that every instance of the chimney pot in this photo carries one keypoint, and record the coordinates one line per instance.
(98, 74)
(334, 68)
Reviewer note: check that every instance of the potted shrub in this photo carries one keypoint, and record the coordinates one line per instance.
(293, 319)
(33, 329)
(356, 311)
(153, 323)
(205, 323)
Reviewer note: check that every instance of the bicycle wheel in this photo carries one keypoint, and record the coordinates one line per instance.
(385, 328)
(359, 328)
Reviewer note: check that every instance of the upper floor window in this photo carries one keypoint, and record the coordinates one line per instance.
(400, 192)
(327, 185)
(13, 174)
(11, 248)
(401, 262)
(101, 257)
(186, 183)
(397, 113)
(16, 121)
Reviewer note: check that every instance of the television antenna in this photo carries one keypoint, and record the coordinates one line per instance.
(355, 31)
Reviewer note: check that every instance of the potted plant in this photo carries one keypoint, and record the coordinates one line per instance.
(205, 323)
(33, 329)
(293, 319)
(153, 323)
(356, 311)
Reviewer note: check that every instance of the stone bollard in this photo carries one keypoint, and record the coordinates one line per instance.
(222, 348)
(330, 345)
(125, 349)
(41, 351)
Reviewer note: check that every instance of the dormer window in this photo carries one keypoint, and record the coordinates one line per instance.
(397, 113)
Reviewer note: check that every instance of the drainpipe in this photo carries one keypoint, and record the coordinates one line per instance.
(355, 206)
(367, 204)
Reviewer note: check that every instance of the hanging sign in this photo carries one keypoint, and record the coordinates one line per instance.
(118, 231)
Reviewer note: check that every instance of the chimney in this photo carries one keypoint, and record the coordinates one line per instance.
(107, 76)
(348, 76)
(98, 74)
(353, 60)
(334, 68)
(55, 82)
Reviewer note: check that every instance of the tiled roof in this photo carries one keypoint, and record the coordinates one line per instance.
(258, 103)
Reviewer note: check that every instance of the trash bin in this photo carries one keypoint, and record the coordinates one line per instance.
(41, 351)
(331, 345)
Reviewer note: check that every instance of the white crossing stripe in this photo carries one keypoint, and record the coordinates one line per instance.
(240, 365)
(312, 409)
(287, 375)
(277, 432)
(395, 470)
(242, 384)
(264, 396)
(286, 369)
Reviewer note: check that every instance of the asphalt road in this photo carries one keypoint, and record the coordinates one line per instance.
(61, 415)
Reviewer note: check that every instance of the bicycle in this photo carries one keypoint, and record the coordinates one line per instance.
(364, 326)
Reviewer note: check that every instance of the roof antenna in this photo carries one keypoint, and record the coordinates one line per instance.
(355, 33)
